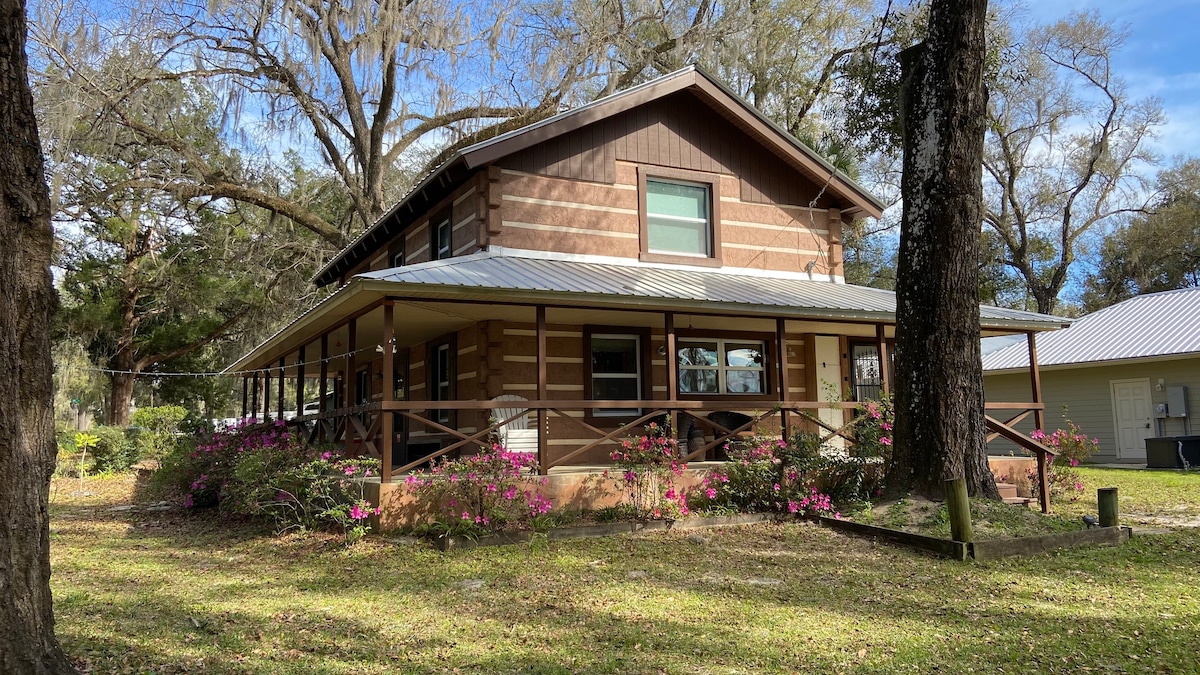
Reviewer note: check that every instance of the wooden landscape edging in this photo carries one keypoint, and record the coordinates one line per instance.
(1003, 548)
(948, 548)
(601, 530)
(944, 547)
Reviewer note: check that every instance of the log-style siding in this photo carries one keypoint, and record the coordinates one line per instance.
(464, 238)
(545, 213)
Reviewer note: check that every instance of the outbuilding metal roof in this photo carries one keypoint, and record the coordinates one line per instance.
(612, 284)
(1159, 324)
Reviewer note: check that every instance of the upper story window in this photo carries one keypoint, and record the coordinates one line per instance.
(677, 218)
(680, 219)
(440, 246)
(397, 252)
(722, 366)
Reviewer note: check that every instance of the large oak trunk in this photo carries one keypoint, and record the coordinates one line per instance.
(27, 448)
(940, 430)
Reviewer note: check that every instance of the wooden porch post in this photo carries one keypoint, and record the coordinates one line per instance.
(282, 376)
(245, 396)
(672, 371)
(389, 390)
(781, 356)
(300, 382)
(254, 395)
(321, 393)
(266, 395)
(1039, 421)
(885, 376)
(542, 413)
(351, 383)
(324, 382)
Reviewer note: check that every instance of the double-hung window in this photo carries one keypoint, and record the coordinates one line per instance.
(678, 218)
(616, 371)
(440, 231)
(722, 366)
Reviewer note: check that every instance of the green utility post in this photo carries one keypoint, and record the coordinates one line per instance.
(959, 507)
(1106, 504)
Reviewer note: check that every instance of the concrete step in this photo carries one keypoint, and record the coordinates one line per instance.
(1007, 490)
(1019, 501)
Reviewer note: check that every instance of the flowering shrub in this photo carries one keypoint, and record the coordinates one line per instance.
(813, 504)
(270, 471)
(647, 466)
(855, 472)
(482, 492)
(1072, 447)
(754, 479)
(767, 474)
(873, 426)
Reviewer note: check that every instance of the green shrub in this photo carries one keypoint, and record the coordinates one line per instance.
(116, 449)
(159, 429)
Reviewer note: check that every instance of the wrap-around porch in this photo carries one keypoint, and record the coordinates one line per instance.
(460, 372)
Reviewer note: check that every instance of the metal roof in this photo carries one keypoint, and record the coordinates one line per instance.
(1159, 324)
(606, 284)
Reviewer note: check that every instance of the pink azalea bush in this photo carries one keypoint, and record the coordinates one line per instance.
(1071, 446)
(647, 466)
(763, 474)
(482, 492)
(268, 470)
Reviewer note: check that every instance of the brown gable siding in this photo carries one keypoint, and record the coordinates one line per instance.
(678, 131)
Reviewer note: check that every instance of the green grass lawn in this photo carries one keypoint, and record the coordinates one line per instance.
(150, 592)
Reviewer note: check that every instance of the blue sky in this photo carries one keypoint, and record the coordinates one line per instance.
(1161, 58)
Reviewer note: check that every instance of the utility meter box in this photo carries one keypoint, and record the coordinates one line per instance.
(1177, 402)
(1160, 411)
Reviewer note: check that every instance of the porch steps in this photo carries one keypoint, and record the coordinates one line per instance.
(1008, 493)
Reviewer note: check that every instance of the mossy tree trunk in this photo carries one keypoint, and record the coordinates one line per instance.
(27, 448)
(940, 430)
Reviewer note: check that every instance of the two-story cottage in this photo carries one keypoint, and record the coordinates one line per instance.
(664, 250)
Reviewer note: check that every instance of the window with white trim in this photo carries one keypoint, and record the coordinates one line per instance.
(678, 218)
(616, 371)
(722, 366)
(441, 239)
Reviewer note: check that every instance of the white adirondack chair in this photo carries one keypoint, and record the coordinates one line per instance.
(517, 435)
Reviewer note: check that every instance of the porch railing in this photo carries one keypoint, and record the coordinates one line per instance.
(359, 427)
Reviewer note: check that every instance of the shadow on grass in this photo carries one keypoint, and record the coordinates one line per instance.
(176, 587)
(778, 597)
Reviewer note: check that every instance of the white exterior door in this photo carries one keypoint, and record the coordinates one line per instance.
(1131, 407)
(828, 352)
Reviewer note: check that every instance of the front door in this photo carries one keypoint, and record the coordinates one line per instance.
(1131, 406)
(828, 352)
